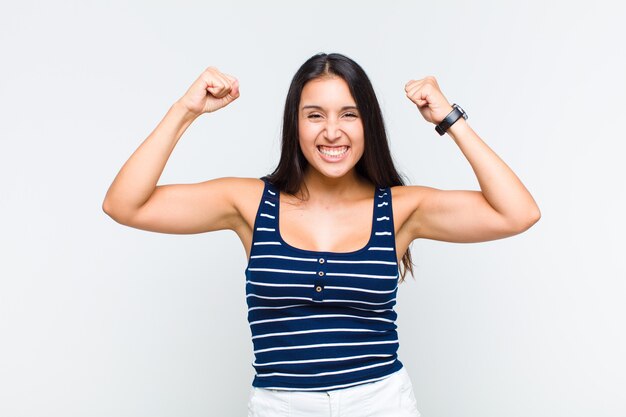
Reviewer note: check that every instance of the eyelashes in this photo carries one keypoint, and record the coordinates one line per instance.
(317, 116)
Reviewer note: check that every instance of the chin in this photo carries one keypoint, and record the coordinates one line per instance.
(334, 174)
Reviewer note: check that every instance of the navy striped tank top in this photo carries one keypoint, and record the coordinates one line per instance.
(322, 320)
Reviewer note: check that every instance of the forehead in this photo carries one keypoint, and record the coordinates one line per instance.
(326, 92)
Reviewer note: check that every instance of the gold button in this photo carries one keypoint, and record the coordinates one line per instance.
(321, 273)
(318, 289)
(321, 260)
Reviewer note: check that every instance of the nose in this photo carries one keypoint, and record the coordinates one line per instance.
(332, 128)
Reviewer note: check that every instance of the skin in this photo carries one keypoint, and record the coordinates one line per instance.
(337, 215)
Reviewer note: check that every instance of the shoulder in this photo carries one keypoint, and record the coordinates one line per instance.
(240, 189)
(237, 192)
(233, 186)
(410, 195)
(406, 200)
(242, 183)
(241, 194)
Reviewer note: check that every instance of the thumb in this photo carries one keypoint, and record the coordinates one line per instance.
(232, 95)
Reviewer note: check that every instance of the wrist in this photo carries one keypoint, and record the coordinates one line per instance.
(180, 110)
(451, 118)
(447, 111)
(458, 128)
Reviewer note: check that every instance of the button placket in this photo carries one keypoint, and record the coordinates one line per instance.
(319, 281)
(321, 271)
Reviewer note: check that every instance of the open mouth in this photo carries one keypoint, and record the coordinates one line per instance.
(333, 152)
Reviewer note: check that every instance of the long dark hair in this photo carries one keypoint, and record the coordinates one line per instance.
(376, 164)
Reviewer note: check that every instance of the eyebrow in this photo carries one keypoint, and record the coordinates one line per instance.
(311, 106)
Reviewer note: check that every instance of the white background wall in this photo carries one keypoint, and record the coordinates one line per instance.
(98, 319)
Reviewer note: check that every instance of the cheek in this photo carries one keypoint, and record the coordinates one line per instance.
(358, 137)
(308, 131)
(305, 143)
(355, 131)
(307, 137)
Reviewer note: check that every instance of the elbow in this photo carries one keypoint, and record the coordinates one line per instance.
(108, 208)
(526, 221)
(533, 218)
(110, 211)
(534, 214)
(105, 207)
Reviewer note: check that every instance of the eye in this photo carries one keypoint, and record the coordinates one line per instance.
(350, 115)
(314, 116)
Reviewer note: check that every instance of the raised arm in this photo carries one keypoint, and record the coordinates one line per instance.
(503, 207)
(134, 199)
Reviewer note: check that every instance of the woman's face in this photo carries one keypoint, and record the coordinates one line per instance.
(330, 127)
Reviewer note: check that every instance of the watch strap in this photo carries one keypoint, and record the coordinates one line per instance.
(456, 113)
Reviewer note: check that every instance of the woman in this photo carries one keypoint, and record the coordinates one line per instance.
(325, 233)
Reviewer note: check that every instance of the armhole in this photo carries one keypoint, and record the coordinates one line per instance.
(393, 228)
(258, 214)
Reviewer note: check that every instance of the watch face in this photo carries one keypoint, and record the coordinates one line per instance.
(461, 110)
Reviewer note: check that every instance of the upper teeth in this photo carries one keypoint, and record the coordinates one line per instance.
(333, 151)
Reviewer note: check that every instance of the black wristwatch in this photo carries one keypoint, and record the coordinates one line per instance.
(456, 113)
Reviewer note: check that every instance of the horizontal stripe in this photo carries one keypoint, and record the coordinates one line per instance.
(362, 262)
(319, 316)
(266, 284)
(267, 243)
(343, 371)
(341, 274)
(383, 204)
(282, 271)
(271, 192)
(378, 219)
(315, 331)
(359, 302)
(331, 287)
(321, 345)
(271, 204)
(265, 229)
(328, 287)
(342, 358)
(378, 248)
(267, 215)
(291, 258)
(377, 233)
(371, 310)
(276, 307)
(278, 298)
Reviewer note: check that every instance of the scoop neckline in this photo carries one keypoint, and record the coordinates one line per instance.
(287, 245)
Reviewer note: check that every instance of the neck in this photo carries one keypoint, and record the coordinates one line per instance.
(321, 188)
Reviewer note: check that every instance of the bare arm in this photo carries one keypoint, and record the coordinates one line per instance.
(137, 179)
(503, 207)
(135, 200)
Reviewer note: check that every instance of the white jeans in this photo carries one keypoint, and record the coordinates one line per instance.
(389, 397)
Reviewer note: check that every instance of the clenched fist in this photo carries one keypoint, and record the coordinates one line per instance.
(211, 91)
(428, 98)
